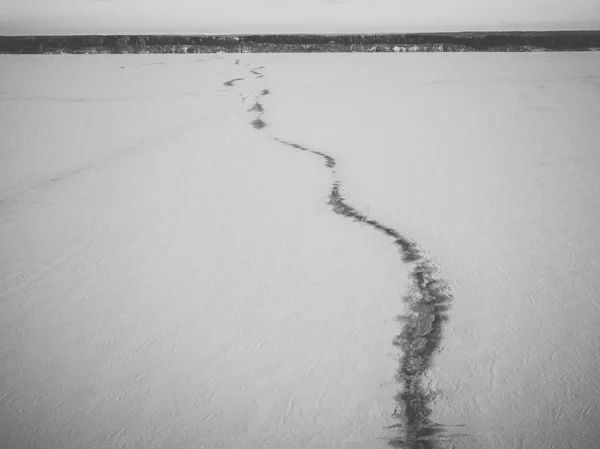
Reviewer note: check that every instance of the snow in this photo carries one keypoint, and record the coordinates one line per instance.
(490, 162)
(172, 276)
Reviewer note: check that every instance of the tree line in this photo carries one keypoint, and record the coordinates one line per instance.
(477, 41)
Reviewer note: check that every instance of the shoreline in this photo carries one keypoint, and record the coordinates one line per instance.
(305, 43)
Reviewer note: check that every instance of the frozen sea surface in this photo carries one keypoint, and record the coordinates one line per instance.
(491, 162)
(172, 274)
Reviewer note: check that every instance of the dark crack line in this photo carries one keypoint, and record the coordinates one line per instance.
(427, 300)
(257, 74)
(230, 83)
(257, 107)
(258, 122)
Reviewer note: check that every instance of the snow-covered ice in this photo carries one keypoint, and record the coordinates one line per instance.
(491, 163)
(172, 275)
(173, 278)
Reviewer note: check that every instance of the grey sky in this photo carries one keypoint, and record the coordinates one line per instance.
(264, 16)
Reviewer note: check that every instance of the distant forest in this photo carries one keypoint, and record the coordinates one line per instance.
(305, 43)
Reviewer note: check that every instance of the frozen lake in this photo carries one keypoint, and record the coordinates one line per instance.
(213, 251)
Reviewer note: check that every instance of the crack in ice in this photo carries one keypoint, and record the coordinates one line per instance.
(427, 299)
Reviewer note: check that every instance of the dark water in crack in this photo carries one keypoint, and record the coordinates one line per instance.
(257, 107)
(258, 123)
(230, 83)
(428, 301)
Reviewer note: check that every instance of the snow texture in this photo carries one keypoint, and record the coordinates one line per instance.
(263, 251)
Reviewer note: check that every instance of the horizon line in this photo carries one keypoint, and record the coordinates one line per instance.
(310, 33)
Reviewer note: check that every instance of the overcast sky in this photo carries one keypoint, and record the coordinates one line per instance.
(268, 16)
